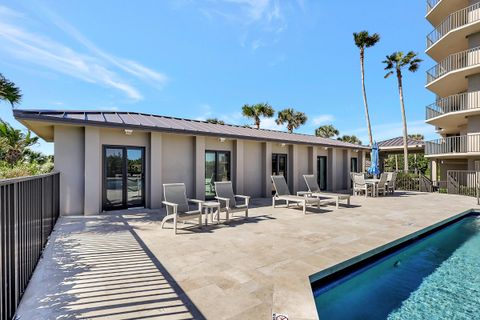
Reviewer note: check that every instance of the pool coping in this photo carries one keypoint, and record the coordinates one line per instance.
(358, 260)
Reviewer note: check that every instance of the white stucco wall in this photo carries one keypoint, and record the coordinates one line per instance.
(252, 169)
(69, 161)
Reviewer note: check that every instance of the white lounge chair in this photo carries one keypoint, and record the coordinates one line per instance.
(315, 191)
(359, 184)
(176, 203)
(391, 186)
(228, 200)
(382, 186)
(283, 193)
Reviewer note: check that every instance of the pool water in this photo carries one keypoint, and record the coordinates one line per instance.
(437, 277)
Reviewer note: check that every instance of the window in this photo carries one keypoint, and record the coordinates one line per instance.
(217, 168)
(124, 177)
(279, 164)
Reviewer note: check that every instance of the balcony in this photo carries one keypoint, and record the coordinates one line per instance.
(451, 34)
(449, 76)
(451, 112)
(451, 147)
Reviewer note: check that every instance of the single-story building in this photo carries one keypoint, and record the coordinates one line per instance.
(115, 160)
(394, 147)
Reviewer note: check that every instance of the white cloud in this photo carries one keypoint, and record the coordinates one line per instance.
(323, 119)
(95, 66)
(393, 130)
(269, 123)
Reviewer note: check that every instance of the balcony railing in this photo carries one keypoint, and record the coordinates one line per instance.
(458, 102)
(455, 20)
(451, 145)
(456, 61)
(431, 4)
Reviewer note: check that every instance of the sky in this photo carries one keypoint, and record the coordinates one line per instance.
(199, 59)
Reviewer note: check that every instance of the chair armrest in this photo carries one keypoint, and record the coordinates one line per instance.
(199, 202)
(171, 204)
(227, 201)
(246, 198)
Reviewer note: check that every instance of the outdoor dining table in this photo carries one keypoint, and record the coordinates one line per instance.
(374, 182)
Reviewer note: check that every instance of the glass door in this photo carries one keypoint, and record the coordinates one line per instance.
(322, 172)
(113, 181)
(217, 168)
(279, 164)
(135, 177)
(124, 177)
(353, 164)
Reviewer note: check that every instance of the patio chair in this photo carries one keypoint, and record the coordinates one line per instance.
(359, 184)
(228, 200)
(391, 186)
(283, 193)
(382, 186)
(315, 191)
(177, 205)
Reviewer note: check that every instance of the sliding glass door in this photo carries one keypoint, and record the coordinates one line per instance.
(217, 168)
(124, 177)
(322, 172)
(279, 164)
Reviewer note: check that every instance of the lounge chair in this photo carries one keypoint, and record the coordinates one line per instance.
(359, 184)
(176, 202)
(391, 186)
(228, 200)
(315, 191)
(283, 193)
(382, 186)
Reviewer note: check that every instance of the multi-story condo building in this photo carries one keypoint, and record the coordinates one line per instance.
(454, 44)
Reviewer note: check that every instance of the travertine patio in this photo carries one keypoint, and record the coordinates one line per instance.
(124, 266)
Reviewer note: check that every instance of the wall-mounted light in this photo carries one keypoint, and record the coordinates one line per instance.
(222, 139)
(128, 132)
(283, 145)
(325, 148)
(356, 150)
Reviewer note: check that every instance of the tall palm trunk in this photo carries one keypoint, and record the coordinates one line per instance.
(367, 114)
(404, 119)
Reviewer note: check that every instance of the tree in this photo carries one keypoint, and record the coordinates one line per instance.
(15, 143)
(9, 91)
(292, 118)
(364, 40)
(215, 121)
(326, 131)
(256, 111)
(350, 139)
(394, 64)
(416, 136)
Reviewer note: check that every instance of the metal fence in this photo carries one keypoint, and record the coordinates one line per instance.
(457, 144)
(29, 208)
(463, 182)
(455, 20)
(413, 182)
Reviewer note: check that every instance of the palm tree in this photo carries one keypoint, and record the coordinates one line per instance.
(350, 139)
(215, 121)
(326, 131)
(9, 91)
(416, 136)
(394, 64)
(256, 111)
(292, 118)
(364, 40)
(15, 143)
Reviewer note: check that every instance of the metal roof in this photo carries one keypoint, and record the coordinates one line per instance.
(142, 121)
(398, 143)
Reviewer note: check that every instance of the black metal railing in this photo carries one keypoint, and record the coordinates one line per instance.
(29, 208)
(413, 182)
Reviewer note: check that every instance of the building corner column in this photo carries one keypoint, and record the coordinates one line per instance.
(267, 169)
(199, 179)
(332, 170)
(93, 172)
(238, 170)
(155, 174)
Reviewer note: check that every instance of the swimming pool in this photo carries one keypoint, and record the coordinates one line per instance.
(435, 274)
